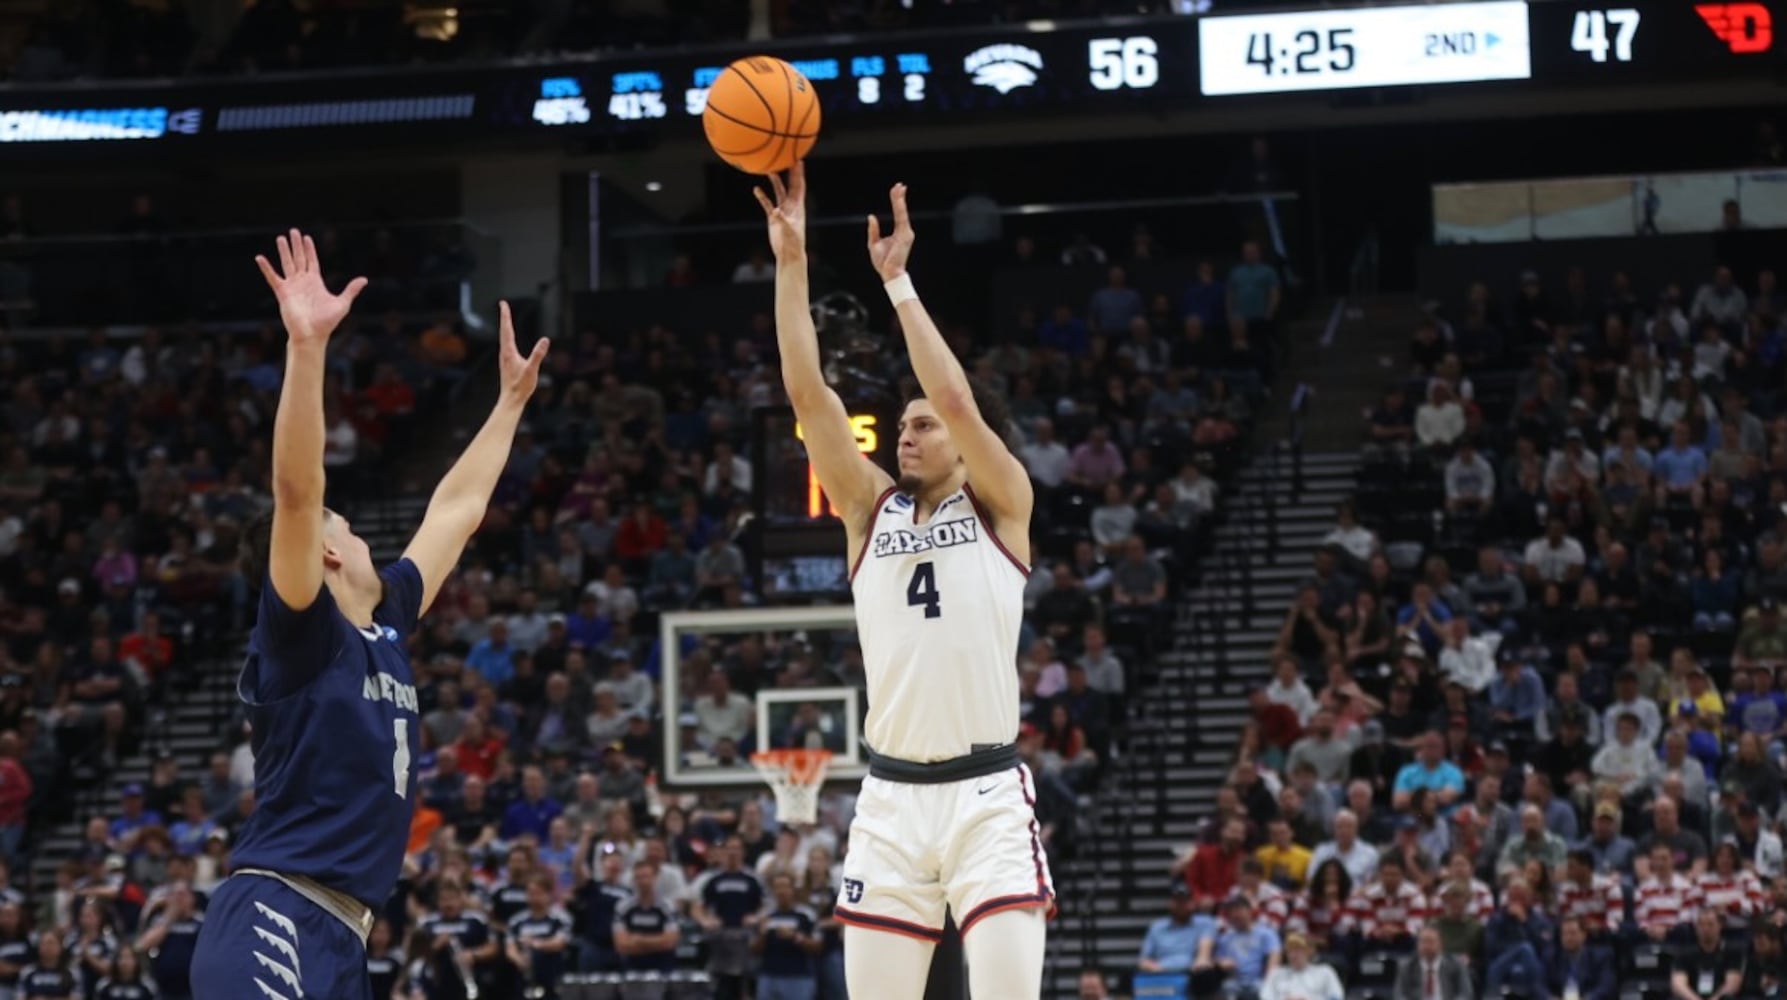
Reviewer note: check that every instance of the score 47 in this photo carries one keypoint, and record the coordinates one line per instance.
(1591, 33)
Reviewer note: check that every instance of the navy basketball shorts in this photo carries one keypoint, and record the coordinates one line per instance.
(262, 940)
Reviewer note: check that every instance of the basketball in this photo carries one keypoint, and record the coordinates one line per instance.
(762, 115)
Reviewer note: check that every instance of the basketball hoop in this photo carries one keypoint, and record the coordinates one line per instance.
(795, 777)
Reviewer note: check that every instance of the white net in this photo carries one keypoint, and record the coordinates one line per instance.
(795, 776)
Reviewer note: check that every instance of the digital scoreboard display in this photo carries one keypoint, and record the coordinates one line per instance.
(1003, 72)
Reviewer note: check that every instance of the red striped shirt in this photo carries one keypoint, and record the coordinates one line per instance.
(1665, 905)
(1320, 922)
(1600, 905)
(1374, 906)
(1738, 897)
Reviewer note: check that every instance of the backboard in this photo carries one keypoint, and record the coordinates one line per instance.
(806, 670)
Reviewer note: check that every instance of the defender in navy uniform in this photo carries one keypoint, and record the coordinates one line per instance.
(328, 683)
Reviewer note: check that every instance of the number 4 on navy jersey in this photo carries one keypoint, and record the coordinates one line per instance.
(923, 590)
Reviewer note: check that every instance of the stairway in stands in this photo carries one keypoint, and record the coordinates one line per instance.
(1186, 719)
(195, 723)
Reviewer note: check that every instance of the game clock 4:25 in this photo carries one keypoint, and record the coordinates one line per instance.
(1333, 49)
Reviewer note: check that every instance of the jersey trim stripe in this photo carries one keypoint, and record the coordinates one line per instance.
(1042, 882)
(980, 511)
(1025, 901)
(888, 924)
(868, 535)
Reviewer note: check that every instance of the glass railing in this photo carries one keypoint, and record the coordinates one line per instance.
(1565, 208)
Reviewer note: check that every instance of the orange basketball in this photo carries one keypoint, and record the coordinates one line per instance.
(762, 115)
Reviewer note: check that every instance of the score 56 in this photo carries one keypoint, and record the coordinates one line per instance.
(1590, 33)
(1118, 63)
(868, 441)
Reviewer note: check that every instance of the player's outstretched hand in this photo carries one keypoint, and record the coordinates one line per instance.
(786, 211)
(309, 310)
(888, 253)
(520, 374)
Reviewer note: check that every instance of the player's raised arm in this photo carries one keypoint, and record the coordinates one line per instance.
(310, 314)
(998, 478)
(459, 502)
(850, 482)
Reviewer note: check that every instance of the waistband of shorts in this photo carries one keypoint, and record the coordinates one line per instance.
(339, 905)
(980, 762)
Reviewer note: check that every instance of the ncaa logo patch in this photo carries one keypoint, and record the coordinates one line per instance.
(853, 890)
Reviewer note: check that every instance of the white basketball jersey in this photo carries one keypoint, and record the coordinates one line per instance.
(938, 608)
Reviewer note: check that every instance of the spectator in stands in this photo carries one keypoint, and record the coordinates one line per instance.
(1289, 690)
(1285, 862)
(1299, 978)
(1460, 929)
(1665, 903)
(1430, 973)
(1720, 301)
(1519, 940)
(1320, 748)
(1173, 942)
(646, 931)
(1104, 670)
(1497, 597)
(1516, 700)
(1388, 911)
(1358, 858)
(1468, 661)
(1114, 306)
(1391, 427)
(1729, 889)
(1579, 967)
(1211, 870)
(1470, 481)
(1046, 459)
(1556, 557)
(1535, 842)
(1246, 951)
(1707, 969)
(1430, 771)
(1762, 642)
(1253, 291)
(1096, 462)
(1439, 422)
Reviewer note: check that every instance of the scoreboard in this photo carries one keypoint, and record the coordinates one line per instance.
(1010, 71)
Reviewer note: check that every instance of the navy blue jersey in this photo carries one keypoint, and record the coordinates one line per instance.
(781, 955)
(109, 990)
(733, 896)
(508, 899)
(18, 952)
(635, 917)
(383, 970)
(173, 960)
(335, 730)
(58, 983)
(526, 927)
(469, 929)
(594, 905)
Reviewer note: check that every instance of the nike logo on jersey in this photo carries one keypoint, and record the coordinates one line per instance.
(377, 632)
(986, 789)
(937, 535)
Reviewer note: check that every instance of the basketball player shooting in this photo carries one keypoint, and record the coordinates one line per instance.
(946, 817)
(327, 681)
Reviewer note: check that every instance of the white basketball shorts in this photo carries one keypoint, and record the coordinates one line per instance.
(971, 846)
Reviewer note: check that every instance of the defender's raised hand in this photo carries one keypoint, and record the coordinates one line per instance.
(520, 374)
(787, 212)
(310, 311)
(889, 253)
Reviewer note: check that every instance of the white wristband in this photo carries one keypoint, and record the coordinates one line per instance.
(900, 290)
